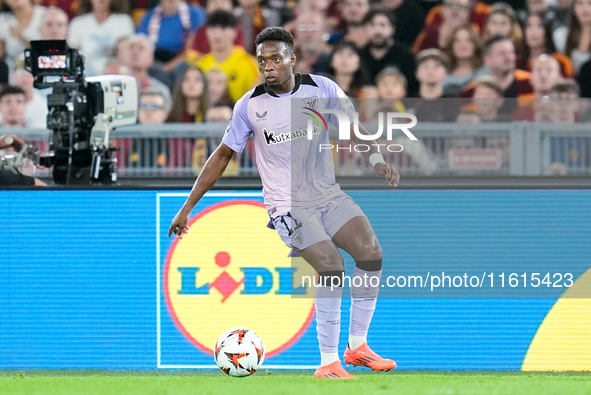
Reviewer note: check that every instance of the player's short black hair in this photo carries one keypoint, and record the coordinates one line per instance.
(275, 33)
(11, 90)
(221, 18)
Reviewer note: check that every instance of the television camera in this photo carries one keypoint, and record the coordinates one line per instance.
(82, 113)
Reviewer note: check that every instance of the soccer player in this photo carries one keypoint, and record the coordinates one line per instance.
(308, 208)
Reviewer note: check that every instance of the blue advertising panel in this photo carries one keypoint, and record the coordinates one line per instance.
(90, 280)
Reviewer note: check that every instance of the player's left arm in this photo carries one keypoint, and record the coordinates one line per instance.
(338, 100)
(376, 159)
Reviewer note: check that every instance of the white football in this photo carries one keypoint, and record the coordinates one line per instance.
(239, 352)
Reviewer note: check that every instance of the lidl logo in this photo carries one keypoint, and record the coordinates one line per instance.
(231, 270)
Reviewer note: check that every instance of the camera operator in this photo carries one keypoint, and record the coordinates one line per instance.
(8, 177)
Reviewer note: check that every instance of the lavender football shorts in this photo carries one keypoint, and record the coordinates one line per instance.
(303, 227)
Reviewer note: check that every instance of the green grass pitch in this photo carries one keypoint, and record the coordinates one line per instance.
(290, 382)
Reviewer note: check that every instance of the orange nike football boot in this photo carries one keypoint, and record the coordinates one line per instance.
(364, 356)
(333, 371)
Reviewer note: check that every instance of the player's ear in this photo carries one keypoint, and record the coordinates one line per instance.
(293, 59)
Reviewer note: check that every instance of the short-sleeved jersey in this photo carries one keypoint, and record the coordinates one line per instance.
(294, 171)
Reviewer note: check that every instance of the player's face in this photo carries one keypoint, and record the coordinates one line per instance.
(276, 63)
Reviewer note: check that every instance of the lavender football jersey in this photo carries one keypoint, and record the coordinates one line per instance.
(294, 171)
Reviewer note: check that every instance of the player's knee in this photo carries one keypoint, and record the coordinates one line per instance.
(373, 250)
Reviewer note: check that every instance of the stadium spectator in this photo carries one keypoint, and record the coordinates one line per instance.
(409, 17)
(138, 54)
(566, 104)
(13, 105)
(239, 66)
(554, 15)
(432, 67)
(538, 41)
(478, 12)
(503, 21)
(253, 18)
(345, 68)
(217, 83)
(198, 40)
(153, 110)
(384, 51)
(190, 98)
(19, 25)
(488, 100)
(575, 40)
(352, 26)
(431, 105)
(545, 74)
(391, 87)
(454, 13)
(36, 102)
(311, 49)
(563, 106)
(465, 60)
(156, 70)
(500, 58)
(54, 25)
(100, 24)
(168, 26)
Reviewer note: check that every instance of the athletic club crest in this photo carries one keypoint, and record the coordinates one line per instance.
(311, 102)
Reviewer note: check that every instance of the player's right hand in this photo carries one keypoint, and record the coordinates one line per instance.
(179, 225)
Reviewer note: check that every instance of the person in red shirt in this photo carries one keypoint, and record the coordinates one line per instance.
(453, 14)
(479, 13)
(198, 41)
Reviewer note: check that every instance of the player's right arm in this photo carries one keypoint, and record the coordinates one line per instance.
(233, 141)
(212, 171)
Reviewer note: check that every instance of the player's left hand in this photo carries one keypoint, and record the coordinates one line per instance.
(389, 172)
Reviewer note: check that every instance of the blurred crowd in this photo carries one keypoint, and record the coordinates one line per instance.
(193, 59)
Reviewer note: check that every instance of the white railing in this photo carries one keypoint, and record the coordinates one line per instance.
(487, 149)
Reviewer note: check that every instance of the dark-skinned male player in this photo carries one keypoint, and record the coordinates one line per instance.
(306, 205)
